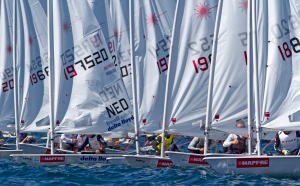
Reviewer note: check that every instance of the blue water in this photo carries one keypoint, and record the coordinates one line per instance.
(12, 173)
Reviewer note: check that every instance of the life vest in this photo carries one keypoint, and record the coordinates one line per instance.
(168, 142)
(240, 147)
(288, 141)
(94, 143)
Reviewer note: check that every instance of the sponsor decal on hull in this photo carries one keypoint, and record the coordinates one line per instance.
(197, 160)
(164, 163)
(92, 159)
(252, 162)
(46, 159)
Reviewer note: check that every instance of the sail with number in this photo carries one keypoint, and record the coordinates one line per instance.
(7, 113)
(229, 98)
(282, 95)
(152, 23)
(120, 22)
(189, 66)
(34, 115)
(89, 96)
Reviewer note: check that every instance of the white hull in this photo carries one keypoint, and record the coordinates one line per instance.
(148, 161)
(118, 160)
(61, 159)
(279, 166)
(36, 149)
(193, 160)
(7, 153)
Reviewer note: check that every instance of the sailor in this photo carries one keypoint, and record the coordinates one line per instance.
(80, 139)
(96, 142)
(113, 143)
(68, 141)
(197, 145)
(288, 142)
(22, 136)
(169, 144)
(29, 139)
(237, 144)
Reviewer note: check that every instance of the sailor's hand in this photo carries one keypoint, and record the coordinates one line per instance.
(117, 142)
(235, 142)
(201, 149)
(165, 154)
(75, 151)
(74, 140)
(1, 140)
(97, 152)
(286, 152)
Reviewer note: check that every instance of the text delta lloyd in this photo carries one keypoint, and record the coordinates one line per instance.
(91, 158)
(123, 121)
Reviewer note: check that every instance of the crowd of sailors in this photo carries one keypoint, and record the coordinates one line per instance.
(286, 143)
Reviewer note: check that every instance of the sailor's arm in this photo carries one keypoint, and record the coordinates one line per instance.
(229, 139)
(84, 144)
(277, 143)
(155, 143)
(102, 141)
(192, 145)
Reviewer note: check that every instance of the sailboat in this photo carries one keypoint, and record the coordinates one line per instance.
(151, 30)
(280, 76)
(89, 95)
(9, 52)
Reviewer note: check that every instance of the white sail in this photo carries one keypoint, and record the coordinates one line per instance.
(189, 68)
(89, 96)
(6, 66)
(229, 101)
(152, 22)
(120, 20)
(102, 13)
(282, 95)
(34, 115)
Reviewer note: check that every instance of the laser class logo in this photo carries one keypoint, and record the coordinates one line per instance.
(9, 49)
(66, 26)
(152, 19)
(202, 11)
(118, 33)
(244, 5)
(29, 41)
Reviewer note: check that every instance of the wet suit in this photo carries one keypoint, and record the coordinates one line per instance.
(287, 142)
(157, 143)
(96, 142)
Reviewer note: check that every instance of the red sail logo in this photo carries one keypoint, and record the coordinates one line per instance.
(164, 163)
(52, 159)
(252, 162)
(197, 160)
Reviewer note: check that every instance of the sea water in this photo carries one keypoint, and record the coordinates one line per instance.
(12, 173)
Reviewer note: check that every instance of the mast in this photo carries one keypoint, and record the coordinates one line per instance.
(249, 77)
(167, 84)
(51, 68)
(15, 76)
(211, 76)
(255, 69)
(135, 112)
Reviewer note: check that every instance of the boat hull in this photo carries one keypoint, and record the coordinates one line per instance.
(194, 160)
(118, 160)
(6, 153)
(148, 161)
(278, 166)
(61, 159)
